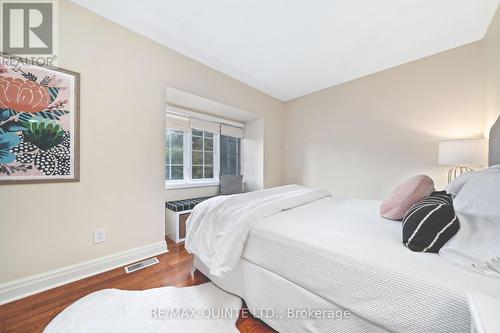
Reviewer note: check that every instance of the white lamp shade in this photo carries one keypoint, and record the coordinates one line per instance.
(463, 152)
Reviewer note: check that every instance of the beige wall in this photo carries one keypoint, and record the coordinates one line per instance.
(358, 139)
(363, 137)
(252, 155)
(123, 82)
(491, 54)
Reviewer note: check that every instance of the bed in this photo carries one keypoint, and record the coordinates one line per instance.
(349, 263)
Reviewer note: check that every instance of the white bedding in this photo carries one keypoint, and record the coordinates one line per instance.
(341, 250)
(264, 290)
(476, 246)
(218, 228)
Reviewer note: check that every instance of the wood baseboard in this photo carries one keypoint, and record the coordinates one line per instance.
(13, 290)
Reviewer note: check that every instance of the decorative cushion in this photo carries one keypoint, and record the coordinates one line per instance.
(406, 195)
(430, 223)
(231, 184)
(186, 204)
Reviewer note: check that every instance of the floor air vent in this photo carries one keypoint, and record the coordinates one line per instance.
(141, 264)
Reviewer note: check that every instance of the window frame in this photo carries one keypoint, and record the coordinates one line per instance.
(188, 181)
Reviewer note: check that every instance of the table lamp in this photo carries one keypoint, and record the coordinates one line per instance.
(462, 155)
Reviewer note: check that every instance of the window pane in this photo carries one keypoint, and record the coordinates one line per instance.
(197, 158)
(228, 168)
(174, 160)
(231, 170)
(209, 172)
(197, 143)
(177, 157)
(177, 172)
(177, 141)
(202, 154)
(233, 163)
(197, 132)
(209, 144)
(232, 147)
(197, 172)
(229, 155)
(209, 158)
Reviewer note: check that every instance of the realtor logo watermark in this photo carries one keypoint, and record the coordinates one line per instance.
(260, 313)
(29, 29)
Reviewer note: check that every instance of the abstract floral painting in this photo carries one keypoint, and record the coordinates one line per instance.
(38, 123)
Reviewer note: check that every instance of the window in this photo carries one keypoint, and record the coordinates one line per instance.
(192, 158)
(175, 155)
(230, 148)
(202, 147)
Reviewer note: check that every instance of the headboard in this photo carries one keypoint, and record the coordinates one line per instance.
(494, 154)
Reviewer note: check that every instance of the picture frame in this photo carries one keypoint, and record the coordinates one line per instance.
(39, 123)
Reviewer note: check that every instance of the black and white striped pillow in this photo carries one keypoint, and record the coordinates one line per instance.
(430, 223)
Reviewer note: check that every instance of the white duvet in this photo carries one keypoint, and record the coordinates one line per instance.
(218, 228)
(341, 250)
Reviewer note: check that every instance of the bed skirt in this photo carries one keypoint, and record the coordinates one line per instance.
(285, 306)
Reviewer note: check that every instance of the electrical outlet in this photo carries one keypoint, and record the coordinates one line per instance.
(99, 235)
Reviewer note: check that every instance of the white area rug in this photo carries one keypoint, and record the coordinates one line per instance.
(203, 308)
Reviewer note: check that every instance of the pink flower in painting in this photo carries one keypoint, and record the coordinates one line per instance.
(23, 95)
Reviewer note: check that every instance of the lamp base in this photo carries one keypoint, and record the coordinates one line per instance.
(457, 171)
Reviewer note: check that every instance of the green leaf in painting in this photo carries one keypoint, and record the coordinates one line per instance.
(43, 133)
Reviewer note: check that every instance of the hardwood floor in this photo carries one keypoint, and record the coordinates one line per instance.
(33, 313)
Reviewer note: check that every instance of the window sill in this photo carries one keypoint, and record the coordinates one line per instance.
(175, 186)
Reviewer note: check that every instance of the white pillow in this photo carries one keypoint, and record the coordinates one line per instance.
(476, 246)
(458, 183)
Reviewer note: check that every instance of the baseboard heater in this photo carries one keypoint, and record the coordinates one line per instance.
(141, 264)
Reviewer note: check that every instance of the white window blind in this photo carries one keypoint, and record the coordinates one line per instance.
(178, 122)
(235, 132)
(204, 125)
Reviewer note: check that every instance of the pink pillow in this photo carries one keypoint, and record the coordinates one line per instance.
(406, 195)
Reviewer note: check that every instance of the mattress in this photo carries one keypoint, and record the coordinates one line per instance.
(342, 251)
(270, 297)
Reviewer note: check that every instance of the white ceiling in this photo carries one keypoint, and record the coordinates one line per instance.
(289, 48)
